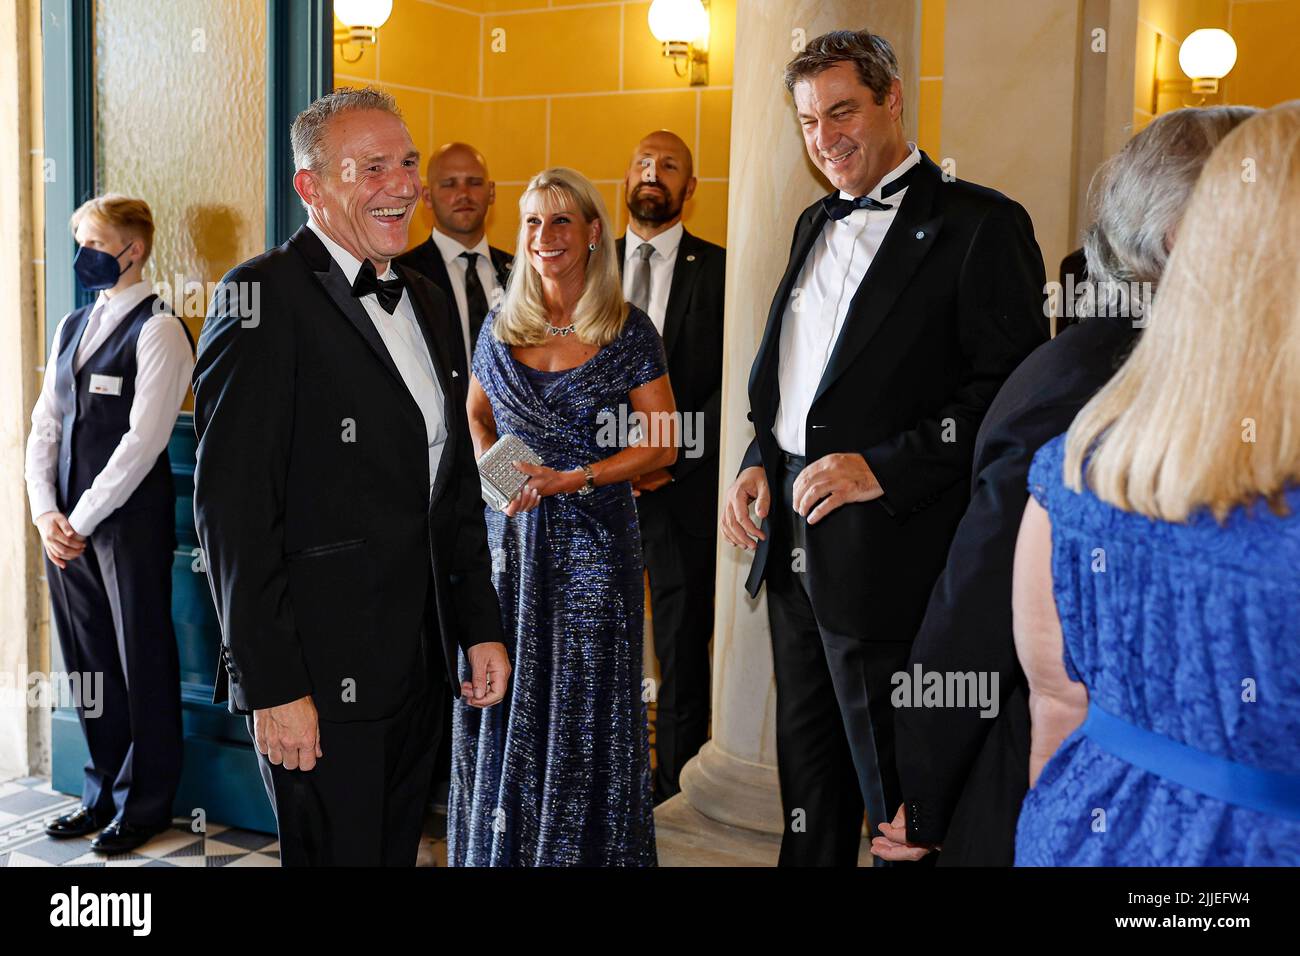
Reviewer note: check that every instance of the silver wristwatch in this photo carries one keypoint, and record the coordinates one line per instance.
(590, 484)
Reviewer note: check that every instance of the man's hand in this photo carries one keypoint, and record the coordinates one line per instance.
(491, 670)
(893, 845)
(834, 480)
(651, 481)
(737, 527)
(289, 734)
(62, 544)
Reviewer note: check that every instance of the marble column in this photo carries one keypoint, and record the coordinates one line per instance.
(729, 810)
(24, 732)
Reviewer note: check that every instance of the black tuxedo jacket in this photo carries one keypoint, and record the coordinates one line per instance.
(951, 304)
(965, 776)
(693, 343)
(426, 259)
(336, 571)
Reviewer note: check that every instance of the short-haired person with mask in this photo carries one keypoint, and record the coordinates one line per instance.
(100, 485)
(456, 257)
(908, 299)
(337, 500)
(677, 279)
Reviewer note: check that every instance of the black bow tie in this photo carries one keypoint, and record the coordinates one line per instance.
(388, 291)
(837, 207)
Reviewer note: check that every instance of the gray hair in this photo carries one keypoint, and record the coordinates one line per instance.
(872, 55)
(307, 135)
(1138, 199)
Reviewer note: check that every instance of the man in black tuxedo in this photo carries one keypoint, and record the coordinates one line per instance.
(677, 279)
(338, 504)
(456, 256)
(909, 297)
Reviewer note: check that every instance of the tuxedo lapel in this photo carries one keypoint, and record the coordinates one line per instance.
(502, 262)
(448, 377)
(762, 376)
(906, 244)
(685, 268)
(330, 275)
(436, 270)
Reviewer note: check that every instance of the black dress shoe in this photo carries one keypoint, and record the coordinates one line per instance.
(77, 823)
(122, 837)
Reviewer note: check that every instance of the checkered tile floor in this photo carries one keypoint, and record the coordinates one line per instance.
(27, 804)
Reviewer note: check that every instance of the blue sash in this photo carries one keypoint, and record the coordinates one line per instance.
(1266, 791)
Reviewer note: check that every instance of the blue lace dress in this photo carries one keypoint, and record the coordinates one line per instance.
(558, 774)
(1191, 631)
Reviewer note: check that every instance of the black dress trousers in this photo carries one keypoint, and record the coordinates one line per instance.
(363, 803)
(112, 609)
(834, 721)
(680, 559)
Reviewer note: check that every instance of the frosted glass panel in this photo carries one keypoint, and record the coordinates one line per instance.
(180, 121)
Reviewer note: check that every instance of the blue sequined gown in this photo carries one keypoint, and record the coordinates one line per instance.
(558, 774)
(1166, 638)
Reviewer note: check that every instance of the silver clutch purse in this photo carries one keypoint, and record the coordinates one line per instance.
(499, 479)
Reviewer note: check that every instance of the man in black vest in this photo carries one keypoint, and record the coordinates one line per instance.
(677, 279)
(456, 256)
(908, 299)
(338, 503)
(101, 493)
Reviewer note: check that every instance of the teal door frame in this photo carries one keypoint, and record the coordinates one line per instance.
(220, 774)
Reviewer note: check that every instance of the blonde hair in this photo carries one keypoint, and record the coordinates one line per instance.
(601, 311)
(1204, 414)
(130, 216)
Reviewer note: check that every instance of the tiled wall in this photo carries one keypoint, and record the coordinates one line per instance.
(537, 83)
(930, 111)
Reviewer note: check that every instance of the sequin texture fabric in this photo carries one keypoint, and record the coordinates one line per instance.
(558, 774)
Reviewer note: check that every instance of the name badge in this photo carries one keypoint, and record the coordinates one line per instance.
(106, 384)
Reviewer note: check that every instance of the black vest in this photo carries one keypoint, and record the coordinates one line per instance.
(93, 424)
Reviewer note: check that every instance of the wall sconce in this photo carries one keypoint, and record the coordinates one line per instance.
(682, 26)
(1205, 56)
(361, 21)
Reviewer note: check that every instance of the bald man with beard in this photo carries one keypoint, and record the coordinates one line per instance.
(456, 256)
(677, 278)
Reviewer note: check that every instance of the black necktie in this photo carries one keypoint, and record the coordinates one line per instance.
(475, 299)
(837, 207)
(388, 291)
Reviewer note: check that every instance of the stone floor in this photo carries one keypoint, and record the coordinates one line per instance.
(28, 803)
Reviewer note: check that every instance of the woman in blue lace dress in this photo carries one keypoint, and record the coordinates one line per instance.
(1156, 593)
(559, 773)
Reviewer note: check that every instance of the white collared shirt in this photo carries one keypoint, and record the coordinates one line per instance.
(164, 363)
(406, 346)
(661, 269)
(458, 270)
(819, 303)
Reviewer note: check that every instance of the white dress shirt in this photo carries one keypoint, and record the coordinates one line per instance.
(164, 362)
(819, 303)
(406, 346)
(661, 269)
(457, 270)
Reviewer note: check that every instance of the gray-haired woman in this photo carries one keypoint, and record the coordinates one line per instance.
(965, 770)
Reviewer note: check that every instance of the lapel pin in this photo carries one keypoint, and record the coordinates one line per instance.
(920, 234)
(690, 258)
(455, 374)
